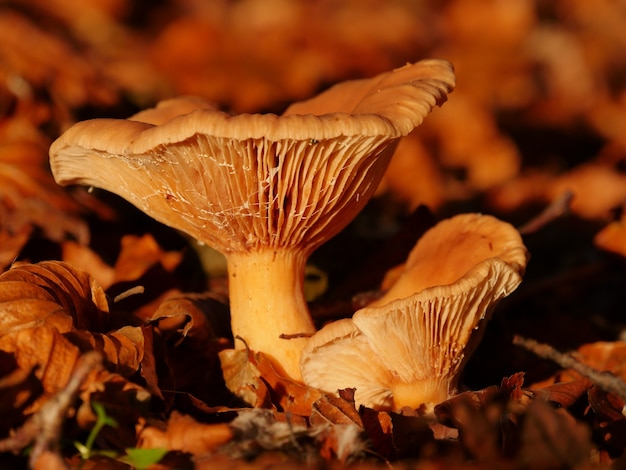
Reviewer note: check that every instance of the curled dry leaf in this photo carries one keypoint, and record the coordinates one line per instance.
(34, 294)
(194, 325)
(47, 352)
(52, 313)
(252, 377)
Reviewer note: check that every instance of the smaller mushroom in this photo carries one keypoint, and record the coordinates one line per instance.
(409, 347)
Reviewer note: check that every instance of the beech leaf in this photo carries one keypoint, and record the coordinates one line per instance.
(185, 434)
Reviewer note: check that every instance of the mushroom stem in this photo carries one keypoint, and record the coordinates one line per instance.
(267, 303)
(414, 394)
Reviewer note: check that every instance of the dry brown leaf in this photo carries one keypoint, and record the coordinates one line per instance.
(18, 389)
(252, 377)
(54, 312)
(52, 288)
(609, 419)
(335, 410)
(565, 394)
(552, 438)
(597, 188)
(201, 317)
(82, 257)
(47, 352)
(612, 237)
(122, 350)
(378, 427)
(194, 325)
(243, 378)
(185, 434)
(138, 254)
(341, 442)
(395, 436)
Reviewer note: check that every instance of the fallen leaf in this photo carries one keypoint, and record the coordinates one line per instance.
(46, 350)
(82, 257)
(552, 438)
(252, 377)
(19, 387)
(609, 419)
(198, 326)
(122, 350)
(564, 394)
(185, 434)
(329, 409)
(54, 287)
(243, 378)
(138, 254)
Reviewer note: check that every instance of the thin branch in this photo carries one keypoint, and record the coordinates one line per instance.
(43, 428)
(554, 210)
(605, 380)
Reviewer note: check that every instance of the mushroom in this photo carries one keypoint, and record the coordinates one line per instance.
(264, 190)
(408, 348)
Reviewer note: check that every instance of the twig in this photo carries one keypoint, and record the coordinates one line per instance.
(554, 210)
(127, 293)
(44, 427)
(605, 380)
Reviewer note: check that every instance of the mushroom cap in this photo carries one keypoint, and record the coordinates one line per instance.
(251, 180)
(447, 251)
(419, 342)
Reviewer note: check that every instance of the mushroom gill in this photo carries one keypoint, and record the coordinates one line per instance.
(410, 350)
(265, 190)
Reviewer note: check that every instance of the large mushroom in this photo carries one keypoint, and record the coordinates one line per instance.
(408, 348)
(265, 190)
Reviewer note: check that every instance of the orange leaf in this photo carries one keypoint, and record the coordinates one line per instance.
(122, 350)
(139, 254)
(74, 292)
(185, 434)
(45, 350)
(335, 410)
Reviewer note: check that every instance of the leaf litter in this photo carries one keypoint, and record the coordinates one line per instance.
(101, 307)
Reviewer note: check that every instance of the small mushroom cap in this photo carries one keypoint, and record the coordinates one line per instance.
(249, 181)
(411, 350)
(445, 253)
